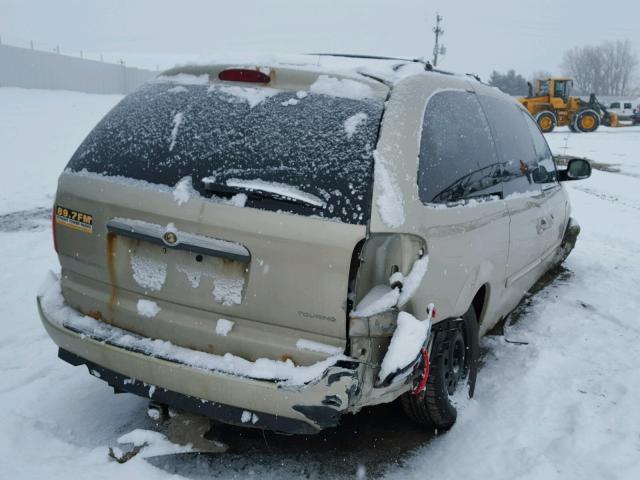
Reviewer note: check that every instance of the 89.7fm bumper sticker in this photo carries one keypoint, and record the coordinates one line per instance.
(68, 217)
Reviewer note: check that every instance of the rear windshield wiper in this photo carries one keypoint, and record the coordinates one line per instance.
(256, 193)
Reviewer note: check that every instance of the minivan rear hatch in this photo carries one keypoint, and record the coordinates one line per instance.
(215, 200)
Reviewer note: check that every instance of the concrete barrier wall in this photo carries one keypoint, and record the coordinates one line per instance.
(22, 67)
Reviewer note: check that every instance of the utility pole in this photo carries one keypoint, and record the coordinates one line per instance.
(437, 49)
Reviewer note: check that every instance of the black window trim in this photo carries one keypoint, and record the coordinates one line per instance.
(546, 186)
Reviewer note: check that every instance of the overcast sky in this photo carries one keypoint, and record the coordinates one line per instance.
(480, 36)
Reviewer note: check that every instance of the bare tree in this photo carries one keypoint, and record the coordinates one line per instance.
(605, 69)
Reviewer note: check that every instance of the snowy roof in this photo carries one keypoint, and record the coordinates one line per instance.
(387, 70)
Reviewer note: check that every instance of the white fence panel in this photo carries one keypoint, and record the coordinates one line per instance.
(26, 68)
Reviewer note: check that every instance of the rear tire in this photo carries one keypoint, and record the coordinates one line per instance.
(586, 121)
(453, 365)
(546, 121)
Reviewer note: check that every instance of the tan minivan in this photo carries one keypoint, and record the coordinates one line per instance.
(276, 244)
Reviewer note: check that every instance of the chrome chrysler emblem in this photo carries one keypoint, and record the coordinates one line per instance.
(170, 238)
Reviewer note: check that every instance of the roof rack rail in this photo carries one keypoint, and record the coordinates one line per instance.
(427, 65)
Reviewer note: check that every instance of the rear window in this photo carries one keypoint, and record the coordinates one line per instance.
(318, 146)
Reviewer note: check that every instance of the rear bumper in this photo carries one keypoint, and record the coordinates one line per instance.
(300, 410)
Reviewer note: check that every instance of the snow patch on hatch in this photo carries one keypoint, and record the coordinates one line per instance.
(193, 275)
(224, 326)
(228, 291)
(184, 190)
(147, 272)
(227, 287)
(147, 308)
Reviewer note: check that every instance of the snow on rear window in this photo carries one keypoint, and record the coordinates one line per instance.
(354, 122)
(177, 120)
(321, 147)
(253, 96)
(178, 89)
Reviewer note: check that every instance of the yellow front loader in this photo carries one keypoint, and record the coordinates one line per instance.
(551, 104)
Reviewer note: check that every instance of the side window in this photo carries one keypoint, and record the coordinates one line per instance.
(514, 145)
(544, 87)
(546, 171)
(457, 158)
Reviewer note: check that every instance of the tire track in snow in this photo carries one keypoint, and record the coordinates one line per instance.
(38, 218)
(607, 197)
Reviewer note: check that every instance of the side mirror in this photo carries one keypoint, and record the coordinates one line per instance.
(577, 169)
(541, 175)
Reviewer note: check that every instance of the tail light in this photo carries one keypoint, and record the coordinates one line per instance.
(244, 75)
(53, 229)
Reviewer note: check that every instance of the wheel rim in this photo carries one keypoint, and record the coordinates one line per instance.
(454, 362)
(545, 123)
(587, 122)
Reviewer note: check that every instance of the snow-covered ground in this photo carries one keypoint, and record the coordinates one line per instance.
(39, 131)
(564, 405)
(619, 147)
